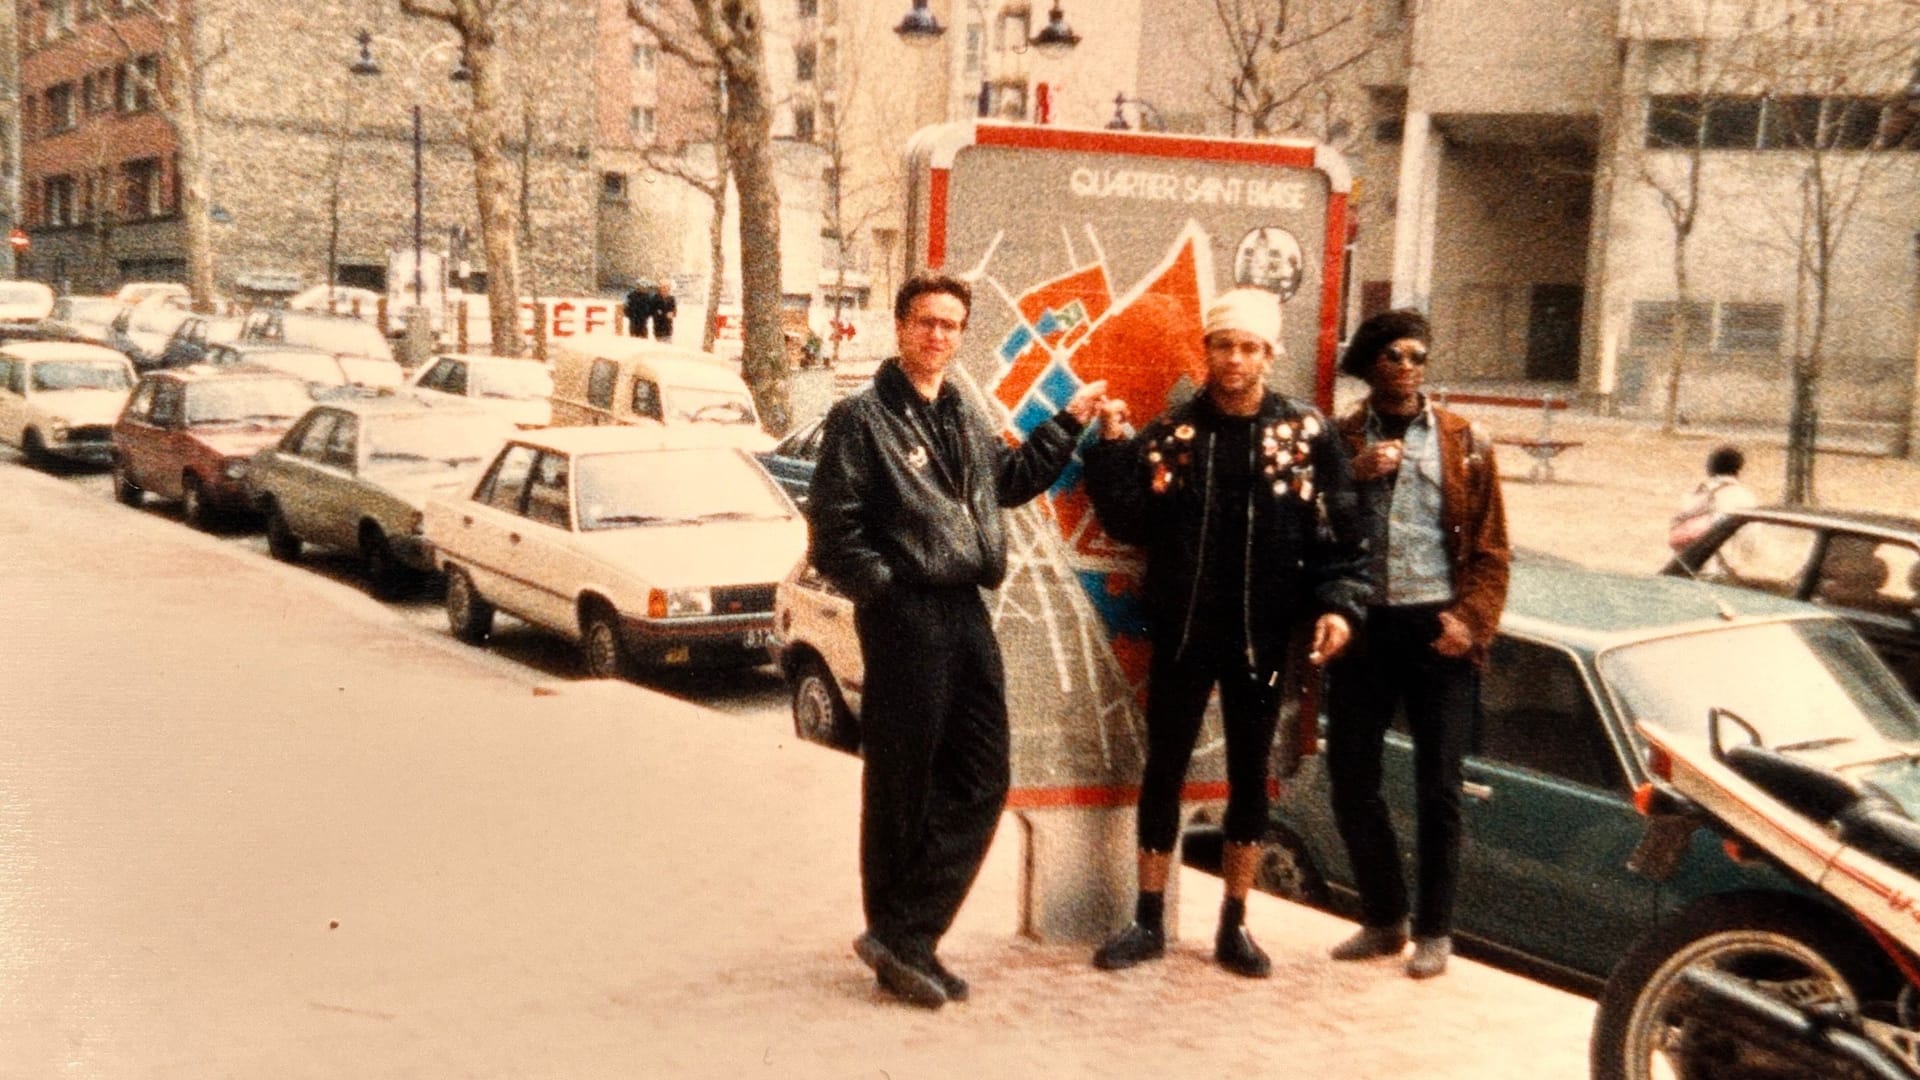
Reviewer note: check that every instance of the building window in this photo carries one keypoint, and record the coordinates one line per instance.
(1652, 329)
(809, 9)
(144, 191)
(1785, 122)
(640, 122)
(59, 18)
(645, 56)
(803, 123)
(1015, 27)
(613, 187)
(804, 57)
(829, 64)
(1752, 328)
(58, 201)
(976, 51)
(63, 108)
(135, 83)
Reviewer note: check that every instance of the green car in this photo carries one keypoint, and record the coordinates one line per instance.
(1550, 822)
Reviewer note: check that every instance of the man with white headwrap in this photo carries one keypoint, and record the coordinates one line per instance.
(1244, 504)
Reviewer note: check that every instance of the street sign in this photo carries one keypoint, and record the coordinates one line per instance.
(19, 240)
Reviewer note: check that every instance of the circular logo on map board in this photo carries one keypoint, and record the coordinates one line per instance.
(1269, 258)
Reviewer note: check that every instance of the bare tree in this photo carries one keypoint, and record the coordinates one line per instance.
(732, 34)
(481, 26)
(862, 178)
(178, 84)
(1834, 73)
(1284, 59)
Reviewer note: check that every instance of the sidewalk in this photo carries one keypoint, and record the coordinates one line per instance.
(291, 836)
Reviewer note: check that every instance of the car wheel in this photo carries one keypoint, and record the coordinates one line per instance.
(193, 502)
(600, 645)
(125, 491)
(385, 574)
(34, 449)
(282, 544)
(819, 713)
(1287, 870)
(469, 617)
(1644, 1027)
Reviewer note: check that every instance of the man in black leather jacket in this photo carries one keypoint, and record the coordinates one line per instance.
(905, 513)
(1243, 501)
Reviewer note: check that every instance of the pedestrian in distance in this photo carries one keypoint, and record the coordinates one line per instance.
(664, 309)
(1440, 557)
(639, 309)
(906, 520)
(1712, 498)
(1244, 505)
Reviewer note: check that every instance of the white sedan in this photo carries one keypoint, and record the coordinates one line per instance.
(516, 388)
(646, 545)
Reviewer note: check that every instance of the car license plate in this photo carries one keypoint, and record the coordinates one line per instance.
(758, 639)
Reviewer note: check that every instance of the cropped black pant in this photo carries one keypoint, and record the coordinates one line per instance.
(1391, 665)
(934, 740)
(1179, 683)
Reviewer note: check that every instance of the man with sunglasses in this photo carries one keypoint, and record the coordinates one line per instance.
(1439, 546)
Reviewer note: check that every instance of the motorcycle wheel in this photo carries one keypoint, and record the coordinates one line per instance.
(1798, 952)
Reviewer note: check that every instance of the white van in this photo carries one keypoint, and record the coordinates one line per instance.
(611, 379)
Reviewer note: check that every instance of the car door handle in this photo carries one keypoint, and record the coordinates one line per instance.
(1471, 790)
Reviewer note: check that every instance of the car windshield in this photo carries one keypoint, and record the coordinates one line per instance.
(674, 487)
(689, 403)
(346, 336)
(368, 371)
(1800, 683)
(246, 400)
(519, 380)
(317, 368)
(80, 375)
(431, 441)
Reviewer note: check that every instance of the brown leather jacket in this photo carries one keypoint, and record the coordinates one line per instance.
(1472, 516)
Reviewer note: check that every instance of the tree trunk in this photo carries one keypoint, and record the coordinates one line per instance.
(494, 191)
(748, 128)
(716, 245)
(1677, 330)
(190, 180)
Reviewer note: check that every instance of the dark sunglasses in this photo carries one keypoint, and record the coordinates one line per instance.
(1416, 357)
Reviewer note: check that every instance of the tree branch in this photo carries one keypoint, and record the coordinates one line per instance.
(700, 57)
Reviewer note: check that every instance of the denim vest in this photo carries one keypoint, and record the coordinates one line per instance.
(1410, 554)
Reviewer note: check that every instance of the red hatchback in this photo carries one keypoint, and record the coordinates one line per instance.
(186, 435)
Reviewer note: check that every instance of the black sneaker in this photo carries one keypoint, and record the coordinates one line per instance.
(1131, 946)
(1235, 950)
(902, 980)
(956, 988)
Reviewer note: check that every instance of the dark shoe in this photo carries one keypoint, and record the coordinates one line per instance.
(1131, 946)
(1235, 950)
(955, 987)
(910, 984)
(1371, 942)
(1429, 956)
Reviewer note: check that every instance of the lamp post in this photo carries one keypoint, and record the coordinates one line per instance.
(366, 66)
(920, 27)
(1149, 116)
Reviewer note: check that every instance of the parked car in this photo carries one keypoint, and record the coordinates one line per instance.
(24, 301)
(609, 379)
(645, 545)
(187, 435)
(142, 331)
(341, 335)
(354, 473)
(321, 370)
(1550, 823)
(518, 389)
(88, 318)
(340, 300)
(138, 292)
(189, 342)
(792, 460)
(1865, 567)
(58, 400)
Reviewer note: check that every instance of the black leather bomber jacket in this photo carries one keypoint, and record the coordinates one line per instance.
(885, 511)
(1306, 537)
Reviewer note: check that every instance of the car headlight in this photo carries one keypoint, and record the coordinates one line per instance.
(234, 468)
(58, 428)
(679, 603)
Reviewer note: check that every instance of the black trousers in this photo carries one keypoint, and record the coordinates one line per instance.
(933, 726)
(1178, 684)
(1390, 665)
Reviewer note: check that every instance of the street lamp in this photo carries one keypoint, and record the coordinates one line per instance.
(919, 27)
(1056, 38)
(1149, 116)
(365, 65)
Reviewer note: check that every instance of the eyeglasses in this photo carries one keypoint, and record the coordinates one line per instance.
(1416, 357)
(928, 324)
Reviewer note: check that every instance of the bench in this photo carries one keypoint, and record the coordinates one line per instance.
(1543, 447)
